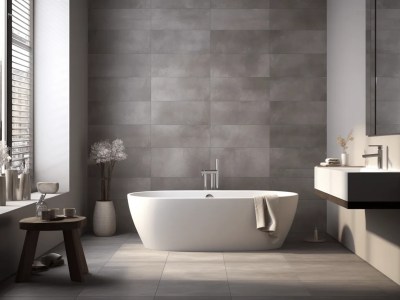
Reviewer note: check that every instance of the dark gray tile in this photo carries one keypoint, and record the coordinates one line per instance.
(239, 19)
(297, 41)
(345, 288)
(241, 136)
(119, 65)
(137, 165)
(119, 41)
(297, 19)
(262, 287)
(388, 19)
(387, 4)
(180, 3)
(180, 136)
(240, 3)
(124, 219)
(296, 158)
(240, 113)
(180, 41)
(115, 4)
(180, 89)
(298, 136)
(309, 214)
(240, 65)
(119, 113)
(297, 65)
(178, 162)
(387, 113)
(320, 4)
(118, 19)
(132, 135)
(388, 89)
(302, 186)
(180, 65)
(287, 89)
(243, 183)
(242, 162)
(180, 19)
(186, 183)
(119, 89)
(180, 113)
(387, 41)
(239, 89)
(239, 41)
(298, 113)
(388, 65)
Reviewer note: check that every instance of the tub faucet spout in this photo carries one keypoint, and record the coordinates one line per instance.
(214, 177)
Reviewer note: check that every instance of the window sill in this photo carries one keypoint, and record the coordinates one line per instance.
(14, 205)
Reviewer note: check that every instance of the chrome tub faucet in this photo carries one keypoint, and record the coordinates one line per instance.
(378, 155)
(214, 177)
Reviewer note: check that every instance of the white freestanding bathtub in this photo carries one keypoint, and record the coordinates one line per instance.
(188, 221)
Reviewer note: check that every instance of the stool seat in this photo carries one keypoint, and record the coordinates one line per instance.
(71, 231)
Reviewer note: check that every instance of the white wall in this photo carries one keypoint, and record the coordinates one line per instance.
(60, 120)
(371, 234)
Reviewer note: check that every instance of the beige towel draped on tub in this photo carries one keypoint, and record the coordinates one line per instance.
(267, 208)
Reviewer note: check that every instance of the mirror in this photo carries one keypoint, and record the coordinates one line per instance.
(383, 67)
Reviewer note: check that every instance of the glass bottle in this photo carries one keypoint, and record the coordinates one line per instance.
(41, 205)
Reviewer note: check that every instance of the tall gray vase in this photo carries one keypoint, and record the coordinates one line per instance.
(24, 188)
(11, 184)
(2, 191)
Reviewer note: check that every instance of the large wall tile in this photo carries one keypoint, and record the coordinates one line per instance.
(180, 113)
(388, 88)
(119, 65)
(303, 186)
(180, 41)
(120, 187)
(178, 162)
(242, 162)
(118, 41)
(176, 183)
(298, 65)
(295, 136)
(297, 19)
(240, 41)
(239, 19)
(180, 19)
(320, 4)
(119, 113)
(387, 41)
(180, 89)
(297, 41)
(240, 65)
(298, 113)
(132, 135)
(310, 214)
(240, 113)
(243, 183)
(180, 3)
(287, 89)
(180, 136)
(296, 158)
(239, 89)
(112, 4)
(119, 89)
(388, 19)
(241, 136)
(180, 65)
(240, 3)
(388, 65)
(119, 19)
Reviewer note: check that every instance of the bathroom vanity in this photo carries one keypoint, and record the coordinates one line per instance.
(358, 187)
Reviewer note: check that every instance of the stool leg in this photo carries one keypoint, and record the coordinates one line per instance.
(81, 254)
(72, 243)
(27, 256)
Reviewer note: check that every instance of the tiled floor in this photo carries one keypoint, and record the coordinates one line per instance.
(121, 268)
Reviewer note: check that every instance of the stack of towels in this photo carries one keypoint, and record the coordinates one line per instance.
(331, 162)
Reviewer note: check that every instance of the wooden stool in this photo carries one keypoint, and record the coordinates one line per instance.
(70, 228)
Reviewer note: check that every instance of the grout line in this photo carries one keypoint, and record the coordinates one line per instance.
(162, 273)
(226, 272)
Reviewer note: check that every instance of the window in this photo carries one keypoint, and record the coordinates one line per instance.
(19, 81)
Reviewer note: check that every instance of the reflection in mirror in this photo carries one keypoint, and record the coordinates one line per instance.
(383, 67)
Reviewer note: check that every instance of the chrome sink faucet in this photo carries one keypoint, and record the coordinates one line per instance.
(379, 155)
(214, 177)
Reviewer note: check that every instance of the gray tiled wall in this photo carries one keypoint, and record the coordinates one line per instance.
(183, 82)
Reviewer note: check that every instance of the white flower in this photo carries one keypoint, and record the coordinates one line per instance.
(104, 151)
(4, 156)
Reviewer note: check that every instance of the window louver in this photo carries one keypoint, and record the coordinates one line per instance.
(20, 70)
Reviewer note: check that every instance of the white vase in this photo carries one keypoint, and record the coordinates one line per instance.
(344, 159)
(104, 219)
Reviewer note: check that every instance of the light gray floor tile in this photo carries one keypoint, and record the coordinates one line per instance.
(344, 288)
(204, 257)
(258, 272)
(267, 288)
(253, 257)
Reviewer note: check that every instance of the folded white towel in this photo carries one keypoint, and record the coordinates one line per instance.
(266, 208)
